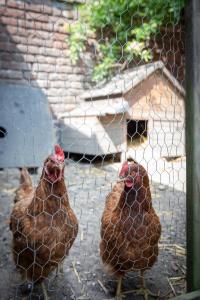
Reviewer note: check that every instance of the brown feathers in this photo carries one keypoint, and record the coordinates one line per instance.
(44, 226)
(130, 228)
(25, 189)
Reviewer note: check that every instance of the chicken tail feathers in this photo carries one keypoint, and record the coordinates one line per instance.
(25, 178)
(25, 184)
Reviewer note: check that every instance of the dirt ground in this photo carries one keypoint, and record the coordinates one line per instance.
(84, 277)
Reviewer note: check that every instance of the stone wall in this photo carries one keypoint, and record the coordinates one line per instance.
(33, 50)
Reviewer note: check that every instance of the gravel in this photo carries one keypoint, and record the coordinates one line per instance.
(84, 277)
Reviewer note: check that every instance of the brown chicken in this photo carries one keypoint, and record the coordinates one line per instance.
(130, 228)
(43, 224)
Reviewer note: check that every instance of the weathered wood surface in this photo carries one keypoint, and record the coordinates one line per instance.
(94, 135)
(192, 143)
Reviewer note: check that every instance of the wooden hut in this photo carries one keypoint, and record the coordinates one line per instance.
(95, 128)
(156, 106)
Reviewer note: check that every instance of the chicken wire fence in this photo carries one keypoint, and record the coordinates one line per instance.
(112, 75)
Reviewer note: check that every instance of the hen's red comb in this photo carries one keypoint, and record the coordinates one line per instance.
(125, 164)
(59, 152)
(124, 169)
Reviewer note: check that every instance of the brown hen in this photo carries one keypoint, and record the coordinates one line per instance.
(43, 224)
(130, 228)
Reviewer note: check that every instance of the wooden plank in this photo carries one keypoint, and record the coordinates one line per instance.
(156, 97)
(192, 143)
(83, 146)
(92, 135)
(169, 136)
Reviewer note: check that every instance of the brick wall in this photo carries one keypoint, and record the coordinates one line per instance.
(33, 50)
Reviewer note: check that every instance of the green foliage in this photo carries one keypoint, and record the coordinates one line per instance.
(122, 30)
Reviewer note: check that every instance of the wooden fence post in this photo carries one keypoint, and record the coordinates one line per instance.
(193, 142)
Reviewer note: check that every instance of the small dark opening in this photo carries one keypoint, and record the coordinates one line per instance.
(137, 130)
(3, 132)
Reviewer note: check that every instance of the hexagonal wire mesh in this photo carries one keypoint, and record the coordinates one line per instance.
(114, 82)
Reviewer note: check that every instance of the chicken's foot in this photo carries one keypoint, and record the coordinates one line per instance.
(143, 290)
(59, 270)
(119, 294)
(26, 287)
(44, 291)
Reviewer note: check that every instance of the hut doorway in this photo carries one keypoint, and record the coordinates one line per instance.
(137, 132)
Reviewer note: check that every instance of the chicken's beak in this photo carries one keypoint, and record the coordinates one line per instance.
(121, 179)
(61, 166)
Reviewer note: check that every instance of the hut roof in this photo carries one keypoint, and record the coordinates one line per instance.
(123, 82)
(99, 108)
